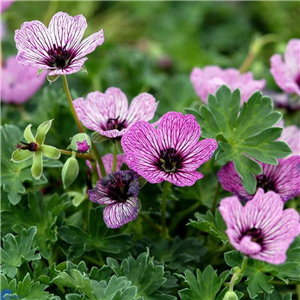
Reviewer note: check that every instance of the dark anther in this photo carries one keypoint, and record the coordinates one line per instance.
(27, 146)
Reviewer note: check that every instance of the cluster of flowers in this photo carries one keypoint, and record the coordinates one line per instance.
(170, 150)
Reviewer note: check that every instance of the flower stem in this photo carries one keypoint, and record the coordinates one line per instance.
(94, 148)
(150, 222)
(164, 230)
(115, 157)
(84, 156)
(68, 94)
(214, 204)
(238, 274)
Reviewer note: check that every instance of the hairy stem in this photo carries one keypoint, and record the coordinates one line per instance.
(214, 204)
(94, 148)
(238, 274)
(115, 157)
(84, 156)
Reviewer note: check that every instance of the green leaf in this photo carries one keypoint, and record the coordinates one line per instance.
(203, 287)
(16, 250)
(99, 237)
(143, 274)
(258, 282)
(243, 135)
(215, 226)
(275, 296)
(52, 78)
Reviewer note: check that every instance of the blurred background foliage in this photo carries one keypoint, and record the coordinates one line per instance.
(153, 47)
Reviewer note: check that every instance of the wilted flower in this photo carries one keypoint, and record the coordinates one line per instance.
(108, 163)
(80, 142)
(119, 191)
(35, 148)
(172, 152)
(261, 229)
(57, 48)
(19, 83)
(283, 179)
(287, 73)
(108, 112)
(4, 5)
(209, 79)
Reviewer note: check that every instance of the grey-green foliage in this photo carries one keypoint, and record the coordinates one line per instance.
(244, 135)
(17, 250)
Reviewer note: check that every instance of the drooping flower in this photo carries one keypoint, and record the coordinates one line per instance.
(261, 229)
(209, 79)
(287, 73)
(118, 191)
(35, 148)
(108, 163)
(172, 152)
(57, 48)
(4, 5)
(283, 179)
(19, 83)
(108, 113)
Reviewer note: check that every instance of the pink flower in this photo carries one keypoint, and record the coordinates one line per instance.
(5, 5)
(209, 79)
(19, 83)
(118, 191)
(287, 74)
(291, 135)
(57, 48)
(172, 152)
(108, 112)
(261, 229)
(283, 179)
(108, 163)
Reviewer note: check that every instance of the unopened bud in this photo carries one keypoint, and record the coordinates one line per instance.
(70, 171)
(81, 142)
(230, 295)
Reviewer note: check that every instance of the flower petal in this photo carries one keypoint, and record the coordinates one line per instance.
(20, 155)
(37, 165)
(117, 214)
(28, 134)
(67, 31)
(33, 42)
(50, 152)
(42, 131)
(178, 131)
(89, 44)
(142, 108)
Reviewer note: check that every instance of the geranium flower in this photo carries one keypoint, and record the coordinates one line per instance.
(287, 73)
(108, 163)
(261, 229)
(172, 152)
(57, 48)
(108, 112)
(209, 79)
(283, 179)
(119, 191)
(291, 135)
(35, 148)
(19, 83)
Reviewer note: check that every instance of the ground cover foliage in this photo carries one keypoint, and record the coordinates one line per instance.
(55, 243)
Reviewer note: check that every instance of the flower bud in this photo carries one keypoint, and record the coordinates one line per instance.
(81, 142)
(230, 295)
(70, 171)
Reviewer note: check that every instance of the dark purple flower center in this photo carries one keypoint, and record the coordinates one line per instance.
(116, 123)
(122, 185)
(60, 58)
(265, 183)
(169, 160)
(298, 80)
(28, 146)
(255, 234)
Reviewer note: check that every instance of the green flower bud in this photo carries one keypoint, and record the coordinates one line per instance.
(230, 295)
(70, 171)
(81, 142)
